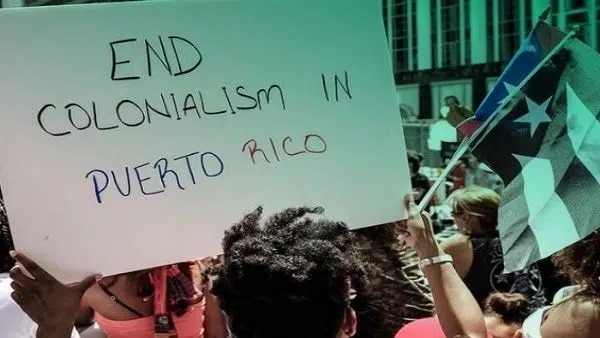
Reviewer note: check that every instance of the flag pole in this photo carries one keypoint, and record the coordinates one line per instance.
(464, 146)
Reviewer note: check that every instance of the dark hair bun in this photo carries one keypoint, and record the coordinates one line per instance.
(510, 307)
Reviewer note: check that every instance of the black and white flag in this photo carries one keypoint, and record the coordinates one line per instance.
(546, 148)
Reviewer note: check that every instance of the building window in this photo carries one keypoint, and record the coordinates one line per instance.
(450, 33)
(404, 41)
(467, 37)
(400, 36)
(436, 62)
(508, 24)
(414, 51)
(508, 28)
(490, 29)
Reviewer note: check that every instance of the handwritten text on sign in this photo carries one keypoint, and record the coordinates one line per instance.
(143, 140)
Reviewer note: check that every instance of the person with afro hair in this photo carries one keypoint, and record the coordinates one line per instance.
(291, 277)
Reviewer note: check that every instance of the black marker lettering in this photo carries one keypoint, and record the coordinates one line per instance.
(164, 60)
(267, 94)
(175, 49)
(246, 96)
(39, 119)
(221, 167)
(96, 124)
(88, 118)
(284, 146)
(115, 62)
(189, 165)
(136, 106)
(322, 141)
(189, 103)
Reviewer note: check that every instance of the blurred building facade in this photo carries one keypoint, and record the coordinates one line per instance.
(459, 47)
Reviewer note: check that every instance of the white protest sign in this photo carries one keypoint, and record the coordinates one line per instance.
(133, 134)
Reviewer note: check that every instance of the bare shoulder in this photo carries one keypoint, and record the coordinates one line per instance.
(573, 318)
(455, 242)
(93, 296)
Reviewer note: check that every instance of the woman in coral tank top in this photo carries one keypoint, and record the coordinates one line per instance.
(167, 301)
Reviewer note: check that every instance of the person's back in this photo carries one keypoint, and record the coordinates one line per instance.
(575, 313)
(486, 274)
(123, 306)
(398, 292)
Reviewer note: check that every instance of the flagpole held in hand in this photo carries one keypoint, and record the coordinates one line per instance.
(495, 116)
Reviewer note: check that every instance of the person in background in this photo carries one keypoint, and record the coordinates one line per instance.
(474, 174)
(574, 314)
(481, 175)
(504, 314)
(477, 251)
(457, 310)
(126, 305)
(458, 176)
(398, 292)
(457, 113)
(419, 182)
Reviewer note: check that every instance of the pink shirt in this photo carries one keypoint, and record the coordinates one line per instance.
(190, 325)
(423, 328)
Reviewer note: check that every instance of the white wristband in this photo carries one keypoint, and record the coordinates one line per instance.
(435, 260)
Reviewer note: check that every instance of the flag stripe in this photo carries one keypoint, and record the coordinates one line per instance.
(546, 215)
(580, 191)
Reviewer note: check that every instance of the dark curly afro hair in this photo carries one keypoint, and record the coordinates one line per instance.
(290, 277)
(580, 262)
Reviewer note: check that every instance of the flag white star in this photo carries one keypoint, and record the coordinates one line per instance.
(510, 89)
(536, 114)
